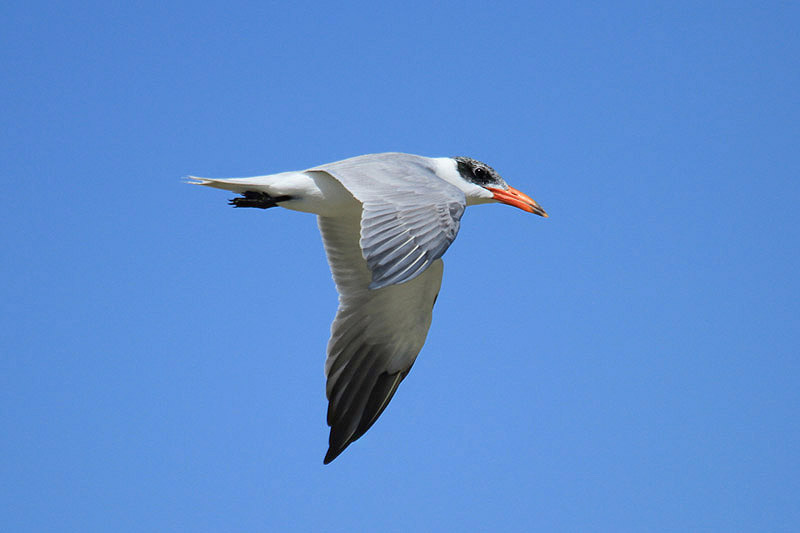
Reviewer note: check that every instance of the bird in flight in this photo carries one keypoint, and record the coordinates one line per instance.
(386, 220)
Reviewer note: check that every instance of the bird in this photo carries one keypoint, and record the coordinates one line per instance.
(386, 219)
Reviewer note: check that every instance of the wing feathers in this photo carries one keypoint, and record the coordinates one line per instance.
(402, 199)
(388, 271)
(375, 402)
(375, 336)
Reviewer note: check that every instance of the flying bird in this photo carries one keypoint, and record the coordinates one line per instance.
(386, 220)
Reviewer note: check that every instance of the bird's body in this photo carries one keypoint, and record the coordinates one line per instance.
(385, 220)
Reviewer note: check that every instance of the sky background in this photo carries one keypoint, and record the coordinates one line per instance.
(629, 364)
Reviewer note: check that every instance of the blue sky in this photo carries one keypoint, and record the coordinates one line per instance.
(629, 364)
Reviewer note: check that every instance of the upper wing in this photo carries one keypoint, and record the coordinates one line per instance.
(410, 216)
(375, 337)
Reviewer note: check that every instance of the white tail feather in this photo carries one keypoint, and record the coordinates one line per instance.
(239, 185)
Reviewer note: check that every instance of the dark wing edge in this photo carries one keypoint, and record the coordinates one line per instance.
(383, 390)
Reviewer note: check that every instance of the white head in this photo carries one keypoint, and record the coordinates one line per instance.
(482, 184)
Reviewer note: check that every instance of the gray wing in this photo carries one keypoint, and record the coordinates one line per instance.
(375, 337)
(410, 216)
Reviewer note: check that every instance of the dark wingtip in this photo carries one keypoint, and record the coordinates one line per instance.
(331, 455)
(336, 444)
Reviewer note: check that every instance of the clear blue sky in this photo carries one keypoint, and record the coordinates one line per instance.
(630, 364)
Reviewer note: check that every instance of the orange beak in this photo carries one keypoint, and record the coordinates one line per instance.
(512, 196)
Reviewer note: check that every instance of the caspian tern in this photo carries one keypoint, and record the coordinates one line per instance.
(386, 220)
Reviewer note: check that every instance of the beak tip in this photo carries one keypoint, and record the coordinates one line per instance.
(536, 209)
(513, 197)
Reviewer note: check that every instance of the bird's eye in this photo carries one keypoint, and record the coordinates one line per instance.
(480, 172)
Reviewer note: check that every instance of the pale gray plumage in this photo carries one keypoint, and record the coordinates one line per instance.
(408, 220)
